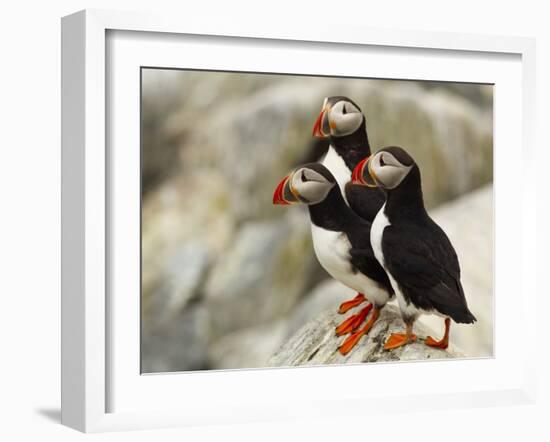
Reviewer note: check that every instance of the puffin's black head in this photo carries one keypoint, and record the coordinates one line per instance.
(387, 168)
(308, 184)
(339, 117)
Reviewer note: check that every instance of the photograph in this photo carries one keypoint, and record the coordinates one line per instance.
(293, 220)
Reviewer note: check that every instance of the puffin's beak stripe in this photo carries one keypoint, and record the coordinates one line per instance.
(318, 126)
(293, 190)
(372, 173)
(285, 188)
(317, 131)
(357, 174)
(331, 124)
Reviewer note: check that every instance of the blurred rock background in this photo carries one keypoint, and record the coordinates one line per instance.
(227, 277)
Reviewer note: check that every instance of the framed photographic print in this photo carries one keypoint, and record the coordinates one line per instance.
(252, 212)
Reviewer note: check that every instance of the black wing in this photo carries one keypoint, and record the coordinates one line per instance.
(364, 261)
(425, 265)
(362, 255)
(365, 201)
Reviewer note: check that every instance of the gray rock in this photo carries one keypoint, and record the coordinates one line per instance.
(160, 148)
(261, 276)
(182, 230)
(249, 348)
(252, 347)
(316, 343)
(179, 346)
(180, 279)
(327, 295)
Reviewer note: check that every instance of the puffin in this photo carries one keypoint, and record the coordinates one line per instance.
(345, 126)
(343, 123)
(415, 252)
(347, 254)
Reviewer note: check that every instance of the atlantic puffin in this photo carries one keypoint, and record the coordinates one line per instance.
(346, 253)
(343, 123)
(417, 255)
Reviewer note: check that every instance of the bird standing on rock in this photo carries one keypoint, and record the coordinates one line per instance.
(417, 255)
(346, 235)
(343, 123)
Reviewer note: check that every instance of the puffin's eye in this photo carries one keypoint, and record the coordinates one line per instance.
(382, 160)
(344, 111)
(304, 178)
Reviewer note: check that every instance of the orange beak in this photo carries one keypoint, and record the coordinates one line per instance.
(322, 126)
(318, 126)
(278, 195)
(357, 174)
(362, 174)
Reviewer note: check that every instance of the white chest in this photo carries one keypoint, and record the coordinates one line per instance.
(332, 251)
(338, 168)
(377, 230)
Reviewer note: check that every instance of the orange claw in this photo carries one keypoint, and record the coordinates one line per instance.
(353, 322)
(345, 306)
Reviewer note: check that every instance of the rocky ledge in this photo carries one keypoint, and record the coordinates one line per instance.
(316, 343)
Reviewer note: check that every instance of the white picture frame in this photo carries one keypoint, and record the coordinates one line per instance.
(87, 320)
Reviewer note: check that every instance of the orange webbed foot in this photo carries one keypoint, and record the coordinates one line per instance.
(444, 342)
(354, 338)
(351, 342)
(348, 305)
(398, 339)
(353, 322)
(437, 344)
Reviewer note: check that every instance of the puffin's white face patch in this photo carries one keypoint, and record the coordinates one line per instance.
(344, 118)
(310, 185)
(387, 170)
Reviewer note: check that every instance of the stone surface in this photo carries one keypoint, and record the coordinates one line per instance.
(179, 346)
(328, 294)
(316, 343)
(261, 276)
(178, 217)
(250, 347)
(253, 346)
(180, 281)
